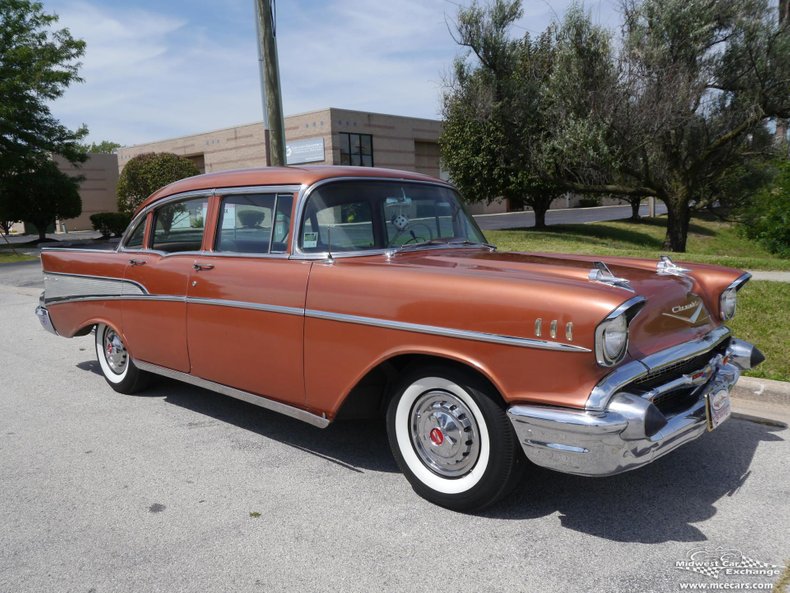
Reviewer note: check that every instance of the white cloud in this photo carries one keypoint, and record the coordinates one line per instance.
(151, 75)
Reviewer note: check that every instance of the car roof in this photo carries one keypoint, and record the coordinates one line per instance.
(304, 175)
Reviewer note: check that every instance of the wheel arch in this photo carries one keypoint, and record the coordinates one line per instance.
(371, 391)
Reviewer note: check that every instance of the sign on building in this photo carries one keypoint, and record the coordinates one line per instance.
(309, 150)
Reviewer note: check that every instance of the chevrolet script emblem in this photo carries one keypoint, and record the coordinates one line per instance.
(690, 312)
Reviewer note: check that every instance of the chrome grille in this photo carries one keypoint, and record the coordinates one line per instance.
(677, 400)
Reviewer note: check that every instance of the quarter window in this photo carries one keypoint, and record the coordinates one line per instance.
(356, 149)
(135, 240)
(179, 226)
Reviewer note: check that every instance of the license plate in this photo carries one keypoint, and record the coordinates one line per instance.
(717, 408)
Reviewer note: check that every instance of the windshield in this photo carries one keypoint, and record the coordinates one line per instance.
(370, 214)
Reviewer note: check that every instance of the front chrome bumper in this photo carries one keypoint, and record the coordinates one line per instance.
(630, 431)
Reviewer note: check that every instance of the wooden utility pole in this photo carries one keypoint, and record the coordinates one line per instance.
(273, 123)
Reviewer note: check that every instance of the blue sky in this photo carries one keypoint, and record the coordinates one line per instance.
(156, 70)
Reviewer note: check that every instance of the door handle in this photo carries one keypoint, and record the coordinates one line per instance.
(198, 267)
(136, 262)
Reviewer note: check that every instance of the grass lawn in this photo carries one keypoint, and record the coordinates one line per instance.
(8, 256)
(762, 319)
(709, 241)
(763, 307)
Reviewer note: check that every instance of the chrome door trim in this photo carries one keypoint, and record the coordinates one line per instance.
(246, 396)
(246, 305)
(445, 331)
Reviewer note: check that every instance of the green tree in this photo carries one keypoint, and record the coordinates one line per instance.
(516, 111)
(701, 81)
(105, 146)
(40, 196)
(146, 173)
(37, 63)
(491, 111)
(668, 115)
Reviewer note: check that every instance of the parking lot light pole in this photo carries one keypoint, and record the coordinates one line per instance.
(273, 123)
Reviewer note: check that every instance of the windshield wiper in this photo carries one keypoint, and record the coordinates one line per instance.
(443, 242)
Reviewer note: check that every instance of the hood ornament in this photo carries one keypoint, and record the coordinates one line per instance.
(601, 273)
(666, 267)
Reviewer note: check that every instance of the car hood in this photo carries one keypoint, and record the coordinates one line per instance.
(677, 306)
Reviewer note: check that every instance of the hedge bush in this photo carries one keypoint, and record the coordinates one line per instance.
(767, 219)
(110, 223)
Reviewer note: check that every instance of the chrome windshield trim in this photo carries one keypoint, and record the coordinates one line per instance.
(631, 371)
(306, 190)
(445, 331)
(251, 398)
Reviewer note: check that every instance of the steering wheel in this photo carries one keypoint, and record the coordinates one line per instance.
(418, 238)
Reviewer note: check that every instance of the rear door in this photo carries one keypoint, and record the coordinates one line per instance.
(245, 306)
(155, 324)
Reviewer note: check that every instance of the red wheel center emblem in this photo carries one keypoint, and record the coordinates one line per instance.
(437, 438)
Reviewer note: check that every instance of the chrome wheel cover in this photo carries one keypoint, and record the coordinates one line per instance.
(444, 434)
(114, 352)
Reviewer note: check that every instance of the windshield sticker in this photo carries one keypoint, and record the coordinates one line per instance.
(310, 240)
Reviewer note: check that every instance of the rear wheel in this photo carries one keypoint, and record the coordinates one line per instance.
(115, 362)
(452, 439)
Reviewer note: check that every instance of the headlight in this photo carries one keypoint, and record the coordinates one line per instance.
(729, 298)
(611, 340)
(728, 302)
(611, 335)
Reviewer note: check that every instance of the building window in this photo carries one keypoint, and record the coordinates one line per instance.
(356, 149)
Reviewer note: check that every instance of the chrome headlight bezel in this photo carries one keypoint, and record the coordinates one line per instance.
(612, 334)
(728, 299)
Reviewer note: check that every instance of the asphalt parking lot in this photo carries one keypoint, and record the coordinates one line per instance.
(180, 489)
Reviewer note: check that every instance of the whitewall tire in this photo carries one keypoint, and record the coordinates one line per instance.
(451, 438)
(115, 363)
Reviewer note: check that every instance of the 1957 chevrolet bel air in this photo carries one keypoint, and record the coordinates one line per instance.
(327, 292)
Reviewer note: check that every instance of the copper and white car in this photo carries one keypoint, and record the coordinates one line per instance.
(326, 292)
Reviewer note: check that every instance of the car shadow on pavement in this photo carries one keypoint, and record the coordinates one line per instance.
(353, 444)
(657, 503)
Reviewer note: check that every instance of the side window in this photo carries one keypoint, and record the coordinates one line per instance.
(135, 240)
(246, 224)
(178, 226)
(337, 225)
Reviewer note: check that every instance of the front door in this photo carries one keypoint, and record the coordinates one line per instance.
(245, 305)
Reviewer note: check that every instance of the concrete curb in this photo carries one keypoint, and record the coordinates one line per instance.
(762, 390)
(762, 400)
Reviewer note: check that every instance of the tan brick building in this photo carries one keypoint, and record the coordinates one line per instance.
(97, 189)
(330, 136)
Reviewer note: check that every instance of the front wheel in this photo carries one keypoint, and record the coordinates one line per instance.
(116, 364)
(452, 439)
